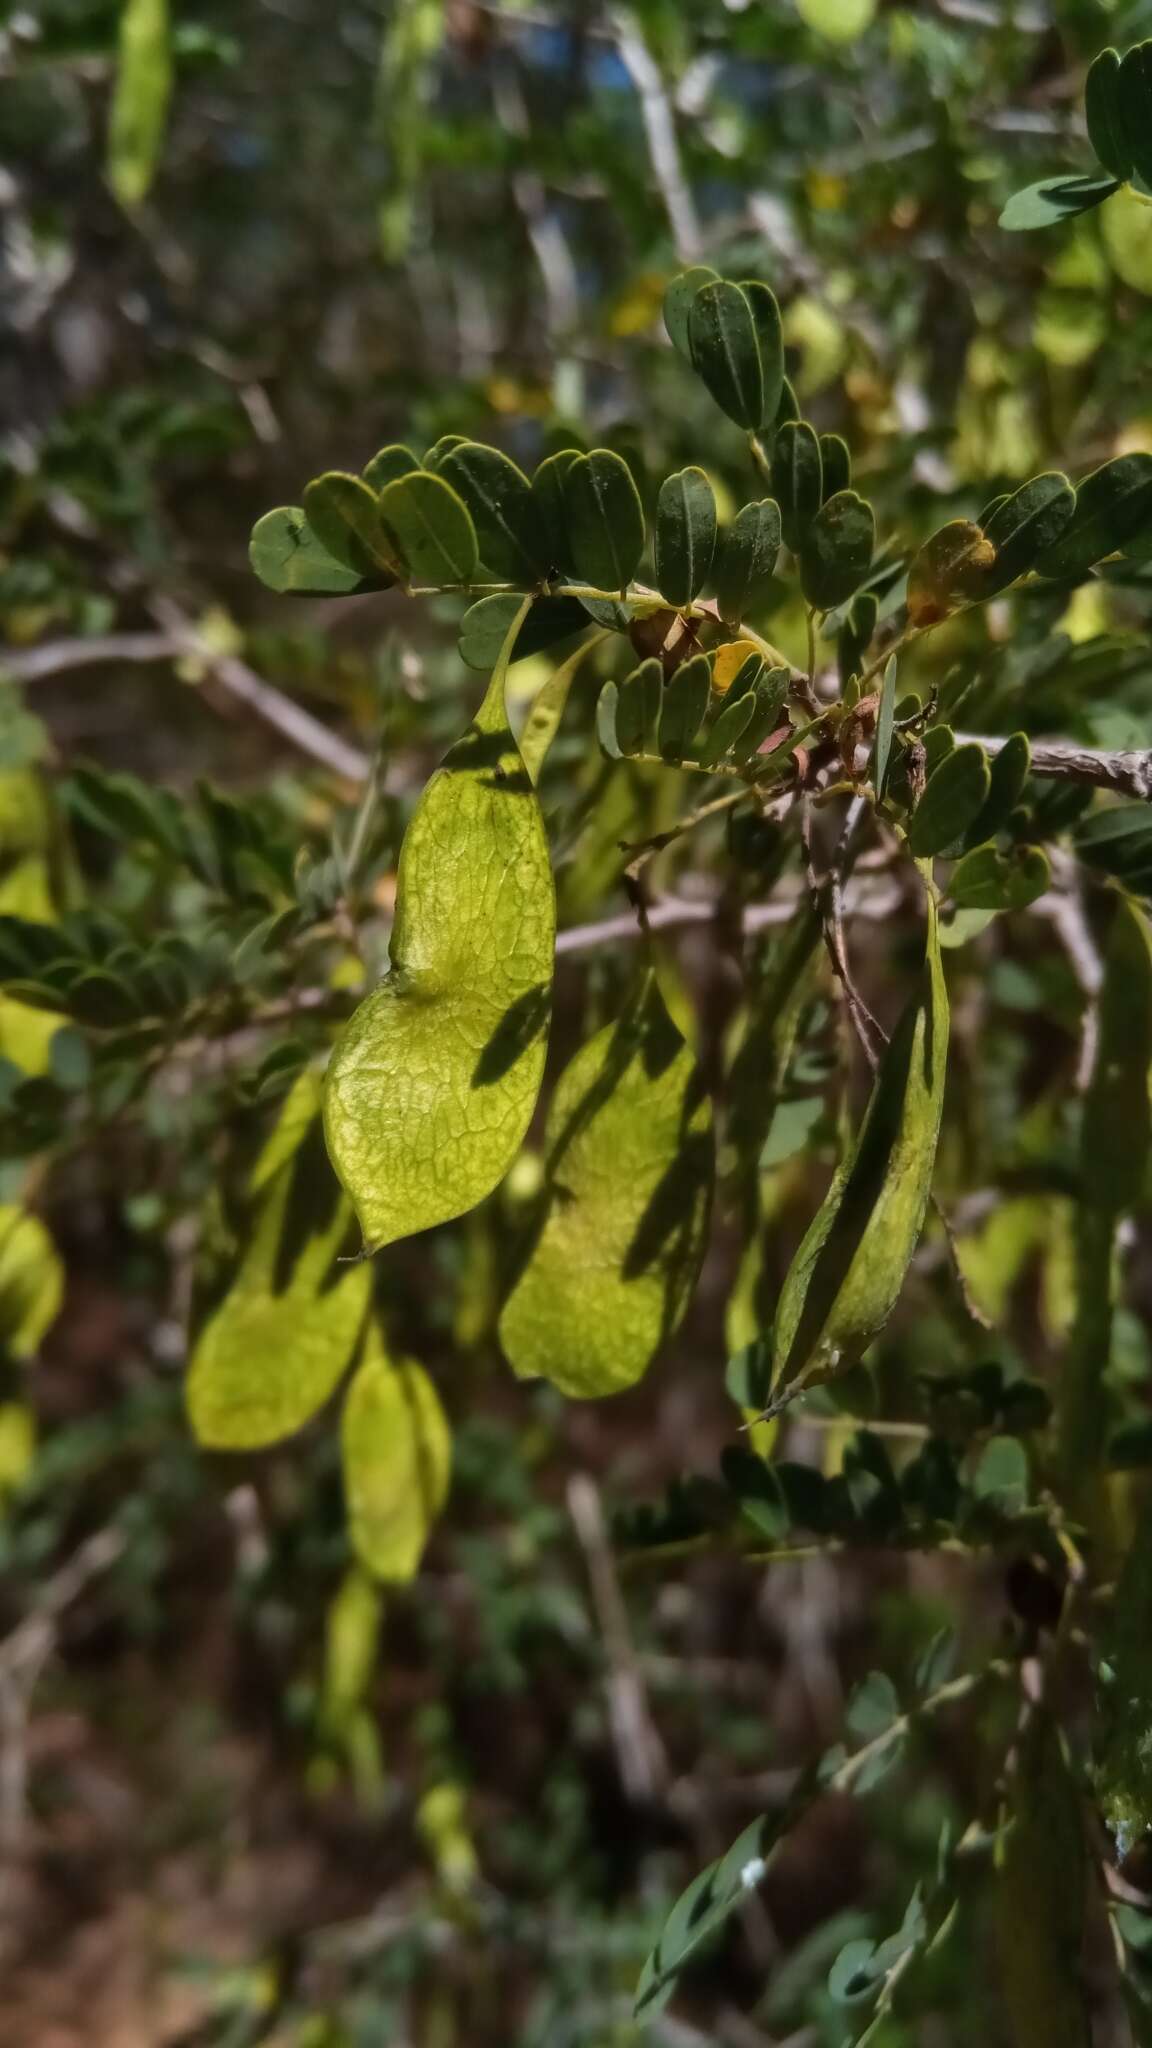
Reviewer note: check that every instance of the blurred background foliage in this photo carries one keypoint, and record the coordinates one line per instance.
(242, 1796)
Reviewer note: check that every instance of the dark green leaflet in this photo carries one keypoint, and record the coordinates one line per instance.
(747, 559)
(836, 551)
(685, 535)
(685, 705)
(797, 479)
(388, 464)
(605, 519)
(344, 514)
(1106, 126)
(956, 793)
(1135, 107)
(638, 709)
(1008, 775)
(504, 511)
(678, 304)
(431, 527)
(1054, 200)
(846, 1277)
(835, 463)
(1112, 504)
(1025, 525)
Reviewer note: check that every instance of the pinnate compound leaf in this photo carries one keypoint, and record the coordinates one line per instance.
(273, 1351)
(955, 794)
(685, 535)
(1054, 200)
(986, 879)
(1112, 505)
(836, 552)
(747, 559)
(949, 571)
(678, 304)
(431, 527)
(344, 514)
(724, 346)
(627, 1198)
(845, 1278)
(397, 1455)
(1106, 125)
(31, 1283)
(1135, 101)
(288, 557)
(701, 1912)
(605, 519)
(143, 89)
(797, 479)
(504, 512)
(432, 1086)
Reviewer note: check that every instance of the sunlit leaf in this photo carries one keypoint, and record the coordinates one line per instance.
(143, 88)
(287, 556)
(31, 1283)
(431, 527)
(1054, 200)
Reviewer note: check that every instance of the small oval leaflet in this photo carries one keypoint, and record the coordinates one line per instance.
(626, 1206)
(605, 519)
(288, 556)
(505, 514)
(845, 1278)
(1025, 525)
(1112, 504)
(431, 1088)
(836, 552)
(344, 513)
(747, 559)
(797, 479)
(1106, 126)
(432, 528)
(956, 792)
(685, 534)
(396, 1450)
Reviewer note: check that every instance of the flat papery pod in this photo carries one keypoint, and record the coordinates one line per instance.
(847, 1274)
(948, 572)
(628, 1188)
(288, 557)
(31, 1282)
(275, 1348)
(432, 1085)
(396, 1448)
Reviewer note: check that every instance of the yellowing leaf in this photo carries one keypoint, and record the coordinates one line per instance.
(627, 1198)
(31, 1283)
(140, 101)
(845, 1278)
(397, 1453)
(431, 1088)
(727, 662)
(17, 1446)
(275, 1348)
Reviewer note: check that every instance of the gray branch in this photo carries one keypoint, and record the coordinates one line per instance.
(1127, 772)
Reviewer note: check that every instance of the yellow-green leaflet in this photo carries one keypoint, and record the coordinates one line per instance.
(397, 1452)
(140, 102)
(843, 1282)
(431, 1088)
(275, 1348)
(627, 1198)
(31, 1282)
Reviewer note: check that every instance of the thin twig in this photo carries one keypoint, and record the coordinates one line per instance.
(639, 1750)
(660, 131)
(179, 642)
(1127, 772)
